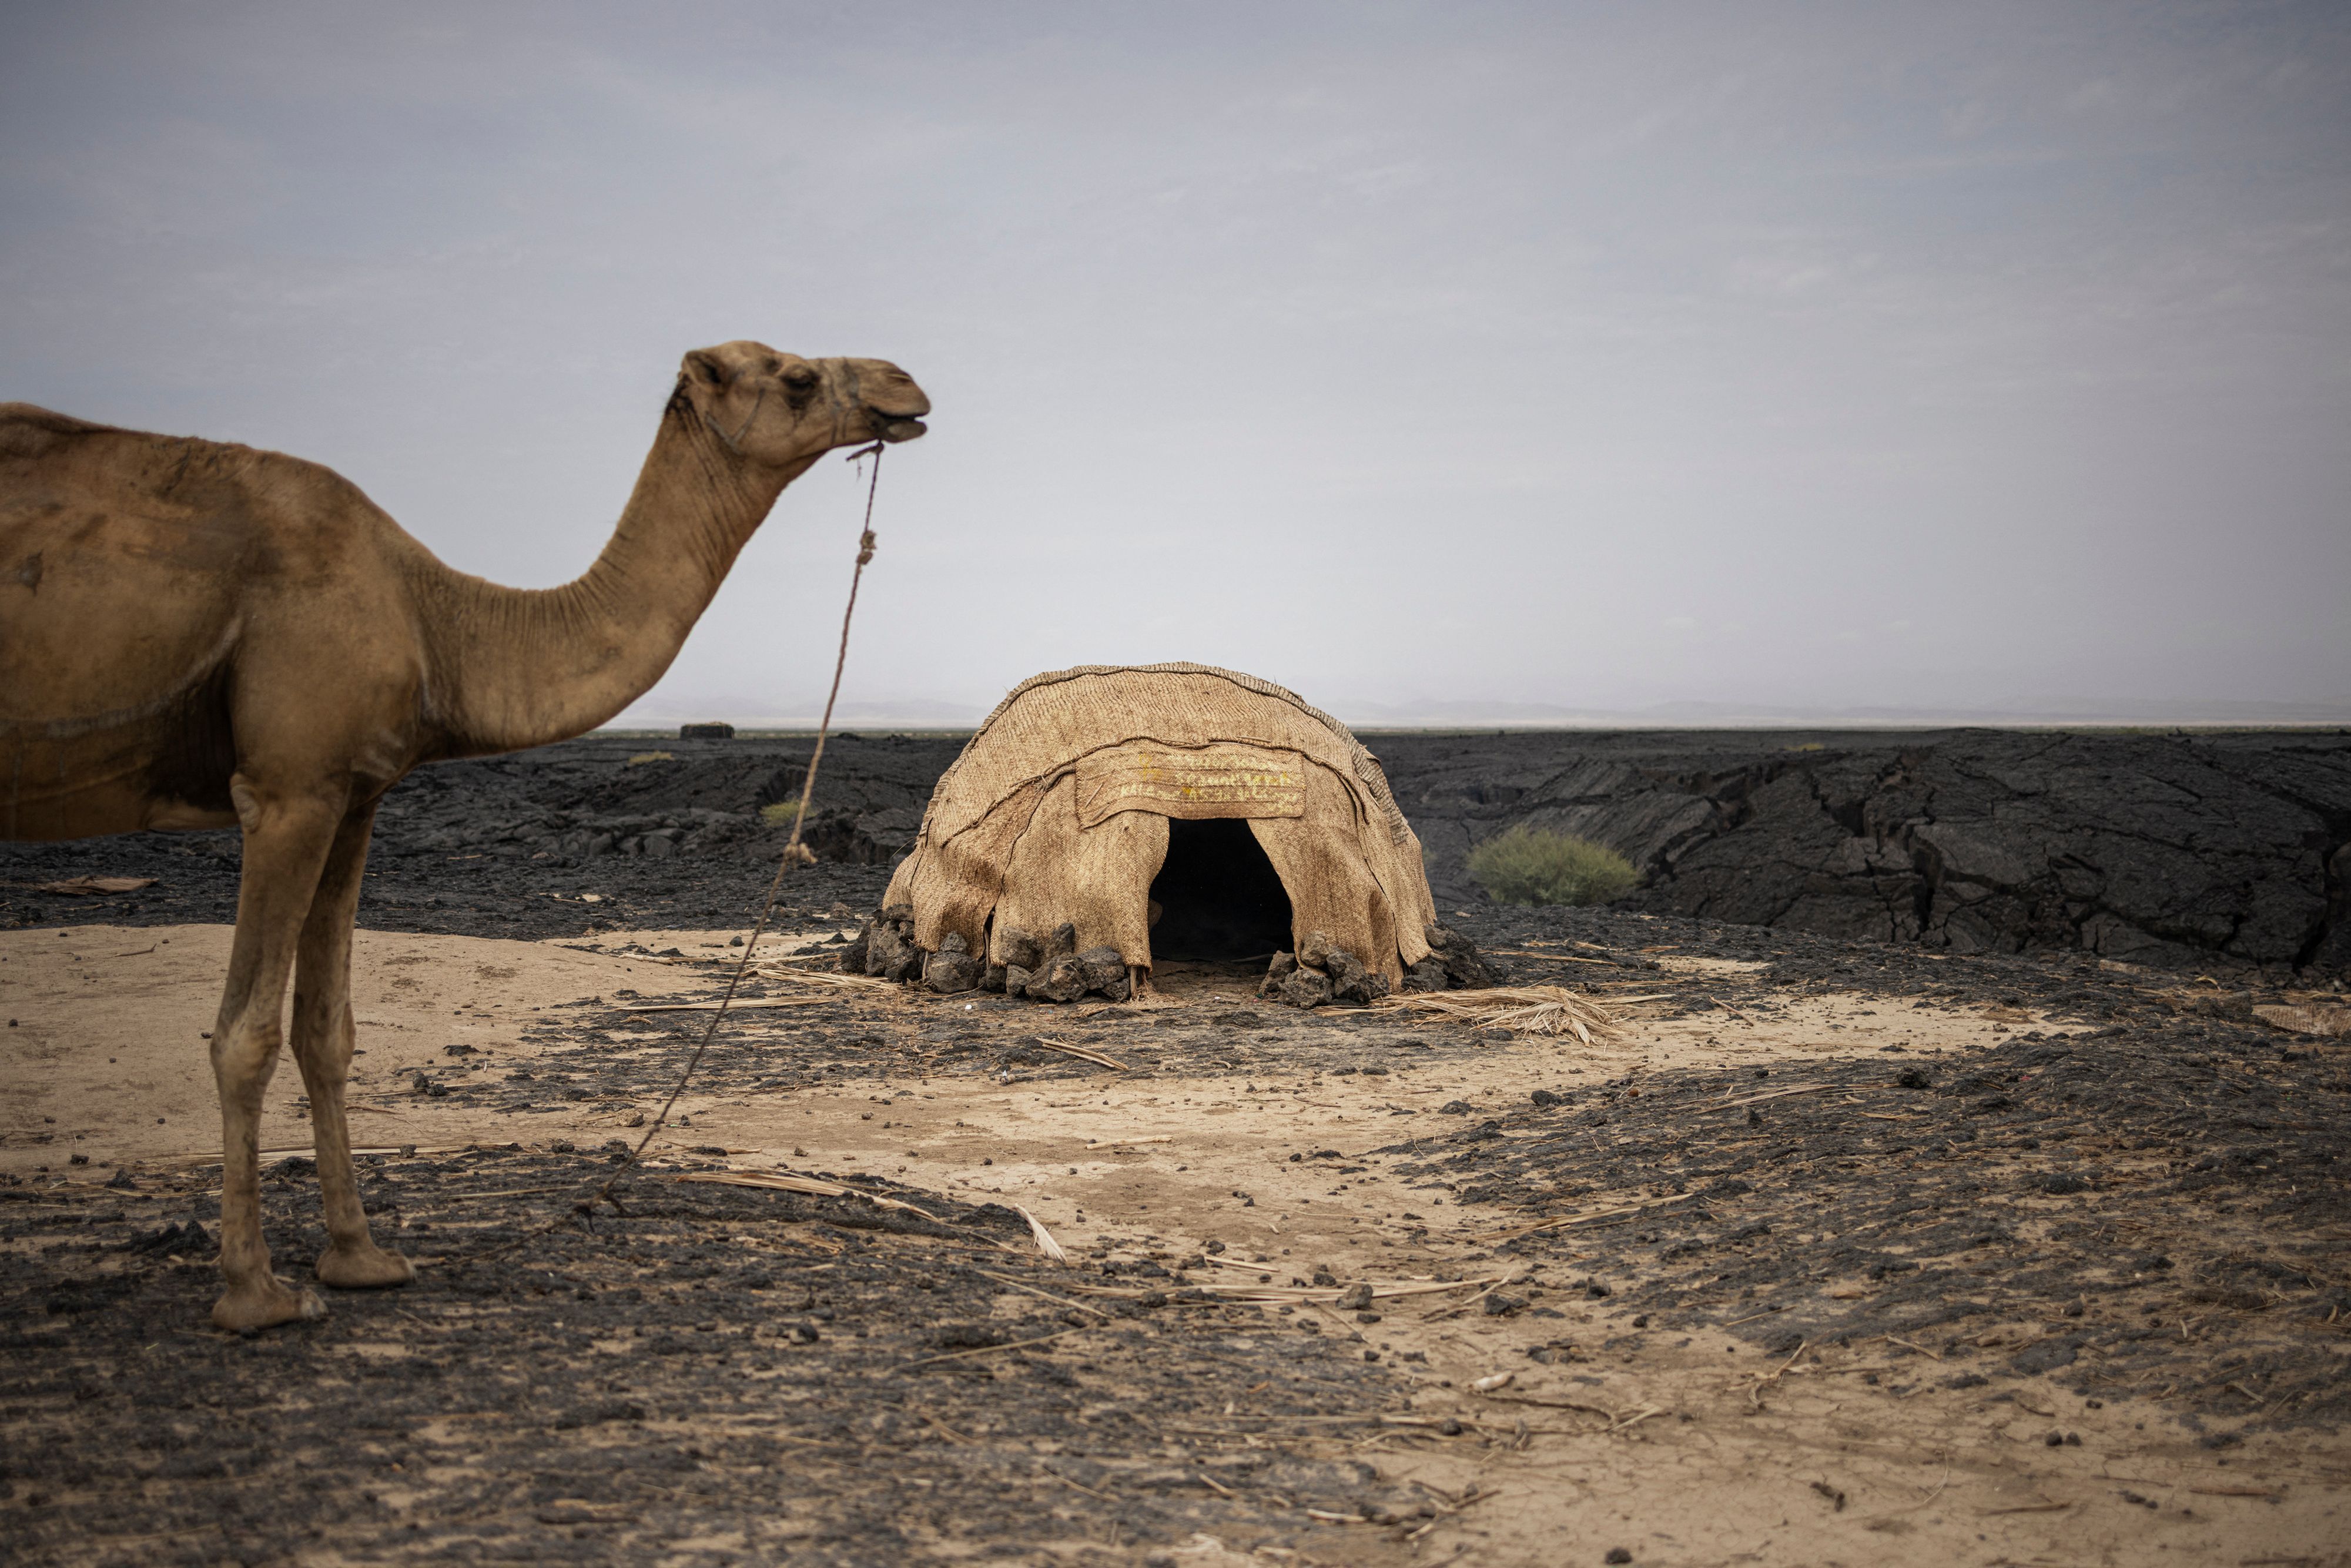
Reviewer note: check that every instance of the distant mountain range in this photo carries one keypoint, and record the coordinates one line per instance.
(921, 714)
(913, 714)
(2021, 713)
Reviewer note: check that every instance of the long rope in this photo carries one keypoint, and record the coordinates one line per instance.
(795, 853)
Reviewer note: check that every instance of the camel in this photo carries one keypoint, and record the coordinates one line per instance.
(194, 634)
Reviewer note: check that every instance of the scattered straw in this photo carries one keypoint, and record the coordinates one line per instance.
(1095, 1057)
(212, 1157)
(1618, 1420)
(832, 977)
(1300, 1295)
(1910, 1344)
(93, 886)
(1765, 1379)
(1600, 1217)
(1520, 1009)
(714, 1007)
(994, 1349)
(1044, 1242)
(1047, 1469)
(1555, 957)
(781, 1181)
(1768, 1094)
(1492, 1285)
(1042, 1295)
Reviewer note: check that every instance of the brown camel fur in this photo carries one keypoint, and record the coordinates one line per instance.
(201, 636)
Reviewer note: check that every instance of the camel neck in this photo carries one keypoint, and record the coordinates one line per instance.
(519, 667)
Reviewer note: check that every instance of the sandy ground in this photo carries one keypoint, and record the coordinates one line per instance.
(107, 1028)
(1692, 1448)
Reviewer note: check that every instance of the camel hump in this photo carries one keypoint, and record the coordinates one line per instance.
(27, 428)
(179, 467)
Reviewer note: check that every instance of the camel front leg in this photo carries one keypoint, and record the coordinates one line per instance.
(323, 1034)
(286, 843)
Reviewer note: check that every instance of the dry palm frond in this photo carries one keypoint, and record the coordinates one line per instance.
(1524, 1010)
(783, 1181)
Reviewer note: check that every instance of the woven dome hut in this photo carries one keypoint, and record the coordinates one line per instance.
(1109, 818)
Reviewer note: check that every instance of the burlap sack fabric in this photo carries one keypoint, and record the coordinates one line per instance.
(1057, 809)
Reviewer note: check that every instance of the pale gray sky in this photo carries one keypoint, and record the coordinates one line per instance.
(1590, 355)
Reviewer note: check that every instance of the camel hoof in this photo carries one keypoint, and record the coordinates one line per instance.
(255, 1308)
(369, 1268)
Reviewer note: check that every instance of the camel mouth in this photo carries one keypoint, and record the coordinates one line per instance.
(896, 430)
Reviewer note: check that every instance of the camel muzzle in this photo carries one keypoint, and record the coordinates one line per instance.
(896, 430)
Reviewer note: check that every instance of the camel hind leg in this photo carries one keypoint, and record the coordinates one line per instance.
(287, 842)
(322, 1042)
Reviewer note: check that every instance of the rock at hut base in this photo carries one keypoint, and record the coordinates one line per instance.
(1061, 980)
(1305, 988)
(1346, 972)
(1284, 965)
(1016, 949)
(1103, 968)
(1352, 983)
(947, 973)
(1464, 970)
(890, 953)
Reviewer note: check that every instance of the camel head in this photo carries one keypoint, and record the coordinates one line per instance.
(780, 411)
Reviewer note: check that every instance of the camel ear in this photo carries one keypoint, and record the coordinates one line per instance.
(704, 367)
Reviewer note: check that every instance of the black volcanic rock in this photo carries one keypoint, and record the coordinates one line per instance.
(2176, 850)
(2151, 849)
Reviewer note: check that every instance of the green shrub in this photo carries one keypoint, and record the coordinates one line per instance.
(1528, 865)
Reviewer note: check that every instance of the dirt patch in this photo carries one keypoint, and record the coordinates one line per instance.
(1786, 1274)
(105, 1030)
(696, 1373)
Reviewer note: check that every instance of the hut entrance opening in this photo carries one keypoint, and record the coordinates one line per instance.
(1218, 897)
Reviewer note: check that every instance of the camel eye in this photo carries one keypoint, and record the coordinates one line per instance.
(800, 378)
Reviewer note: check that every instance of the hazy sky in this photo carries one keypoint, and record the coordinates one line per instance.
(1594, 355)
